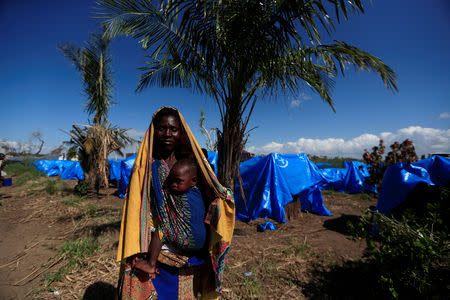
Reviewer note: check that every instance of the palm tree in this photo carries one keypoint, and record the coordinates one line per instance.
(95, 141)
(94, 63)
(94, 144)
(239, 52)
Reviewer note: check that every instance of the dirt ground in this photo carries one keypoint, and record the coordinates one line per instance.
(287, 263)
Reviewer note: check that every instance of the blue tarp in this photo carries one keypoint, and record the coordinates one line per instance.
(270, 182)
(266, 225)
(212, 158)
(351, 179)
(126, 165)
(66, 168)
(72, 169)
(114, 170)
(335, 178)
(401, 178)
(326, 165)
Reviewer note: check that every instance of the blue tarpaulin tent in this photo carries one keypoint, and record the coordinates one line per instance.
(335, 178)
(126, 165)
(326, 165)
(355, 178)
(351, 179)
(114, 170)
(66, 168)
(401, 178)
(72, 170)
(270, 182)
(212, 158)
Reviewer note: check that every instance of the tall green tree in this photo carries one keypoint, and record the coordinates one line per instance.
(93, 62)
(96, 140)
(239, 52)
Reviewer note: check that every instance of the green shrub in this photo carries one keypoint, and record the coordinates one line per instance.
(51, 187)
(410, 254)
(54, 186)
(82, 188)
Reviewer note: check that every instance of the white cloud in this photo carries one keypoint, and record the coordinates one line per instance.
(295, 103)
(444, 115)
(426, 140)
(302, 97)
(135, 133)
(6, 146)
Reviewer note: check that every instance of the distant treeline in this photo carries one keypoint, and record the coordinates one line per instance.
(337, 162)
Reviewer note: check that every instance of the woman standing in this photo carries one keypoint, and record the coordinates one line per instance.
(149, 220)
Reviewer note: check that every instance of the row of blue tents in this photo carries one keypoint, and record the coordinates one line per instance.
(270, 182)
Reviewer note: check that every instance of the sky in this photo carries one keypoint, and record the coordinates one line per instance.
(41, 91)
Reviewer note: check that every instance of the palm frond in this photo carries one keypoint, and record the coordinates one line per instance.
(345, 54)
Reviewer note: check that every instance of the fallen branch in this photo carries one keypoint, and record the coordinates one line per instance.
(32, 273)
(21, 255)
(14, 261)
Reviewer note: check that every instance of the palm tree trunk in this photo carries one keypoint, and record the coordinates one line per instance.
(230, 144)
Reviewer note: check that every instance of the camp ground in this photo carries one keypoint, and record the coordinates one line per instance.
(268, 183)
(292, 219)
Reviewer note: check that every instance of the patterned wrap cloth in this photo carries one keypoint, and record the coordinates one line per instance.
(180, 218)
(189, 273)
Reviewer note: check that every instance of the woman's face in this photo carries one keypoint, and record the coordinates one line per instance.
(168, 133)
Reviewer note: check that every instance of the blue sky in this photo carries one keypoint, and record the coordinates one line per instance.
(39, 89)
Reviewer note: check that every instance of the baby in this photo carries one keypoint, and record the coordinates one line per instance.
(184, 201)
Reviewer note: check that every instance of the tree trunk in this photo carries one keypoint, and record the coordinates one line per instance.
(95, 167)
(40, 148)
(230, 145)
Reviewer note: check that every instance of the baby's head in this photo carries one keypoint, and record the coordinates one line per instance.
(182, 176)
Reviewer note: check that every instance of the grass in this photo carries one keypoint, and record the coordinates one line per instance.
(362, 196)
(74, 201)
(24, 172)
(92, 211)
(54, 186)
(295, 248)
(73, 252)
(50, 246)
(252, 284)
(331, 193)
(50, 186)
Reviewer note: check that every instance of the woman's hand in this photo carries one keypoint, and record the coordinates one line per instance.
(146, 266)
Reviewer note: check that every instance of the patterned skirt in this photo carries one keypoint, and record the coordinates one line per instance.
(179, 277)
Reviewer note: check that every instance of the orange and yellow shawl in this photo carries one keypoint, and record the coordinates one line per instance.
(135, 233)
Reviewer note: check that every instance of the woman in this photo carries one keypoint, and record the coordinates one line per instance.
(177, 275)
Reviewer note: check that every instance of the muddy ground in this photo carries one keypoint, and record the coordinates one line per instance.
(304, 258)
